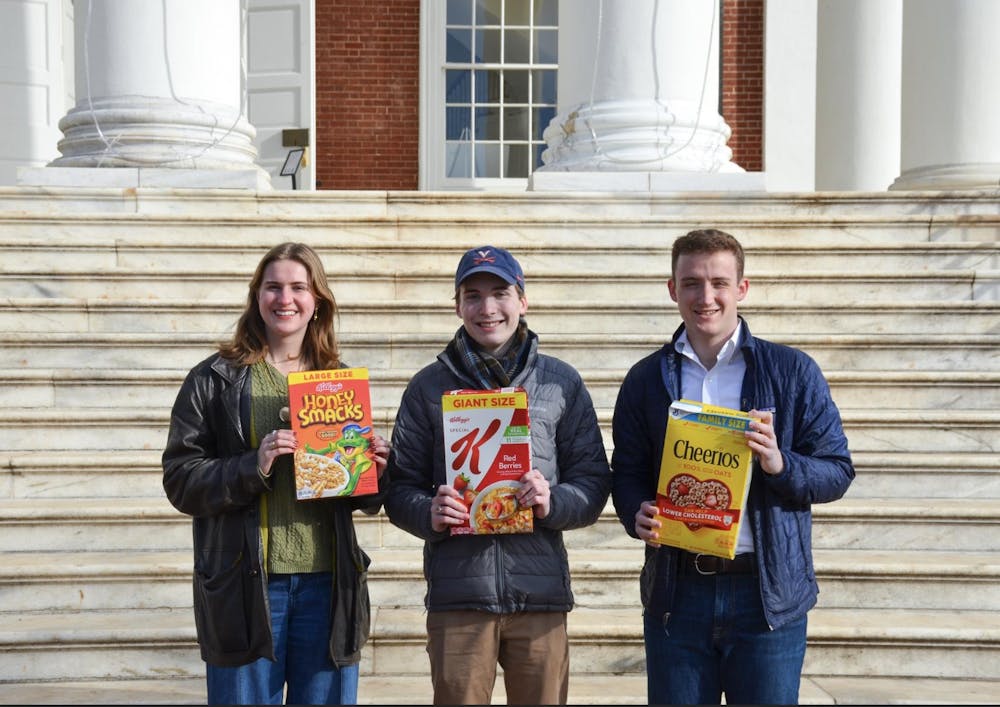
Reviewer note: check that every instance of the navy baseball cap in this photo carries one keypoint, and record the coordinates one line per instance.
(493, 260)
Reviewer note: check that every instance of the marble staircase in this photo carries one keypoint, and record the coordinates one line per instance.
(112, 295)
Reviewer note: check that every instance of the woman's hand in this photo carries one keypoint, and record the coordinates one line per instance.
(380, 454)
(272, 445)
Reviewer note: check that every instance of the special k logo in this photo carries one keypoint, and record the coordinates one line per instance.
(483, 256)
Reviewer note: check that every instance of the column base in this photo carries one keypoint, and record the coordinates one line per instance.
(970, 175)
(638, 136)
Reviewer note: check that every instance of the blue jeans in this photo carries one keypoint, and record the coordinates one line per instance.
(300, 623)
(716, 641)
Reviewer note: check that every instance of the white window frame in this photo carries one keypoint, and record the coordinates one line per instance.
(433, 17)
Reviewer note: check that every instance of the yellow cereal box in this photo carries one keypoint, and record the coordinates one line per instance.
(704, 478)
(331, 415)
(487, 447)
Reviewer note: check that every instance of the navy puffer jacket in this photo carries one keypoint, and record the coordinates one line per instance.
(818, 468)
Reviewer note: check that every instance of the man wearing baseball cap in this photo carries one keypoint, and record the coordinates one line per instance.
(498, 599)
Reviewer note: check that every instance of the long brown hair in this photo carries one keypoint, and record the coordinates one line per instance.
(319, 347)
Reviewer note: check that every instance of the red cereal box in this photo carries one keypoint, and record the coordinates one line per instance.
(487, 447)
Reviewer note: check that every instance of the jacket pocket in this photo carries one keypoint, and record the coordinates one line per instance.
(220, 598)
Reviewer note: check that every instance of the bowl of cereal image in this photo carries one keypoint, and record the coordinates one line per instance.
(496, 510)
(318, 476)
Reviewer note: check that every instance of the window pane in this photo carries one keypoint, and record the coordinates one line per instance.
(487, 160)
(518, 13)
(459, 46)
(488, 46)
(488, 12)
(517, 49)
(457, 159)
(488, 86)
(515, 86)
(547, 12)
(515, 123)
(458, 125)
(546, 46)
(544, 88)
(517, 161)
(539, 149)
(459, 12)
(543, 116)
(458, 86)
(488, 123)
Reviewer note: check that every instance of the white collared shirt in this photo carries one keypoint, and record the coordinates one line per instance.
(720, 385)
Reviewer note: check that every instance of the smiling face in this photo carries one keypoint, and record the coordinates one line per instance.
(707, 288)
(286, 302)
(490, 309)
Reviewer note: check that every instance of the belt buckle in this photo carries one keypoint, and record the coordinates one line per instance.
(698, 569)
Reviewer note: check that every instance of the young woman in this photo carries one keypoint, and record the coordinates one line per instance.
(280, 587)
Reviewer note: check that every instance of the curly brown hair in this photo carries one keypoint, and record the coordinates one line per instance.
(319, 347)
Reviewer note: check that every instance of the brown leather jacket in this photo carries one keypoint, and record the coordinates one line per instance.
(210, 473)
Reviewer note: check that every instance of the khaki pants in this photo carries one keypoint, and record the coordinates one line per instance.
(466, 646)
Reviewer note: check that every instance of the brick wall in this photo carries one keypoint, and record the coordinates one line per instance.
(743, 80)
(367, 94)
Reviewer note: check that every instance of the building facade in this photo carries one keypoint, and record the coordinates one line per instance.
(483, 94)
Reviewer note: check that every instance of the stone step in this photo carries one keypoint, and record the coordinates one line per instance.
(47, 581)
(513, 217)
(410, 352)
(161, 251)
(606, 317)
(152, 524)
(583, 690)
(111, 474)
(354, 287)
(157, 388)
(76, 429)
(856, 642)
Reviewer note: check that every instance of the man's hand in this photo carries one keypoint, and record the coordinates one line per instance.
(764, 443)
(447, 508)
(535, 493)
(647, 527)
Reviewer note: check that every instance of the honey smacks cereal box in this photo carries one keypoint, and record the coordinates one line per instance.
(704, 478)
(487, 448)
(331, 415)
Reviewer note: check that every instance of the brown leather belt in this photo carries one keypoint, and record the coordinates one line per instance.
(710, 564)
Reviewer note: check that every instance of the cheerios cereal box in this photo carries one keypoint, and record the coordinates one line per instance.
(487, 447)
(704, 478)
(331, 415)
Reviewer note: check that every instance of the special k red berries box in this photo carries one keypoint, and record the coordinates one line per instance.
(487, 446)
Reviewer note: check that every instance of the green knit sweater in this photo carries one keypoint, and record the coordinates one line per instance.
(298, 535)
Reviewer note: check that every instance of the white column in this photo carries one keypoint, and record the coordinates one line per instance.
(158, 86)
(858, 66)
(790, 95)
(951, 105)
(638, 88)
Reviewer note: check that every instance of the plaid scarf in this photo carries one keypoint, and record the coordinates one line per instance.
(491, 371)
